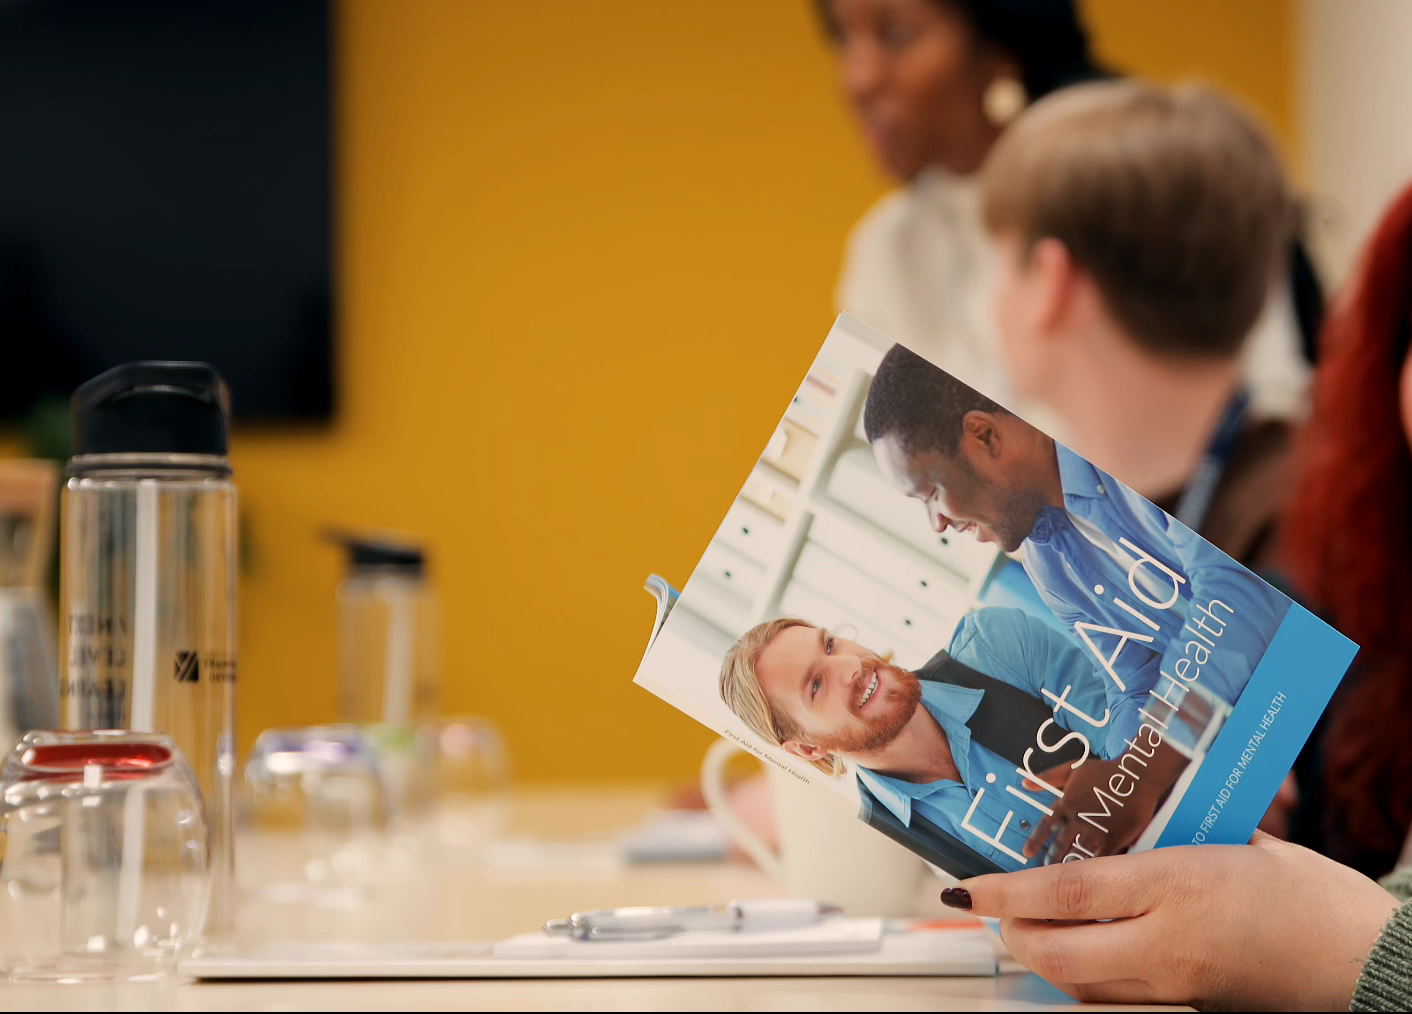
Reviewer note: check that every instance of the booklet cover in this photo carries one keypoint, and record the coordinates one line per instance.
(999, 654)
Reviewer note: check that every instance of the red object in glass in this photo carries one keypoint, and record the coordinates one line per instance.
(118, 760)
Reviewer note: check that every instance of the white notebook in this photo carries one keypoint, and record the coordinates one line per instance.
(850, 947)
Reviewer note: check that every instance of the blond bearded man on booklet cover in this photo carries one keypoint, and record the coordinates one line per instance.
(959, 759)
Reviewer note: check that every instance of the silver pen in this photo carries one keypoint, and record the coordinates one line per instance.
(649, 922)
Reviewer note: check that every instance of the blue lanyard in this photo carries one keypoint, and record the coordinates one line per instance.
(1196, 499)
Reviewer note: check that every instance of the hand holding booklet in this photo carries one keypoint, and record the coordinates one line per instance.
(1000, 655)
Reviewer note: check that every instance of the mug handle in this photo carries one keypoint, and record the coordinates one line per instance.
(713, 788)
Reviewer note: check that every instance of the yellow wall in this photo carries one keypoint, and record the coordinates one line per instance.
(1244, 46)
(587, 249)
(586, 252)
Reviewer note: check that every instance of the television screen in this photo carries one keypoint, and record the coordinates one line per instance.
(165, 193)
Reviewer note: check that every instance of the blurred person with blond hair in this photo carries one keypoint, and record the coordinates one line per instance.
(1138, 230)
(1274, 925)
(934, 85)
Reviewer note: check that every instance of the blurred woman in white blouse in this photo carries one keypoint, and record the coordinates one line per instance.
(933, 83)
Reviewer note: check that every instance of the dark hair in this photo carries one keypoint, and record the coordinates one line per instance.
(921, 405)
(1046, 38)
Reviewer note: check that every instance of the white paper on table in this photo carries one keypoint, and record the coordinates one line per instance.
(950, 950)
(830, 936)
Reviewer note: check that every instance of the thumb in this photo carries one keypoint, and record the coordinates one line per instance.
(1262, 840)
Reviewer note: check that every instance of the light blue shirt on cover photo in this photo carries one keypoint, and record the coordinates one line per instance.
(1019, 649)
(1073, 553)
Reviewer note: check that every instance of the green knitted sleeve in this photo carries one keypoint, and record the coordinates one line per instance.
(1386, 981)
(1398, 883)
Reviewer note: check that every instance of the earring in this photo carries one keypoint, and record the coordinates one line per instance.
(1004, 99)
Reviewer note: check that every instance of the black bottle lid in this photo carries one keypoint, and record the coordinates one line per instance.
(381, 553)
(153, 408)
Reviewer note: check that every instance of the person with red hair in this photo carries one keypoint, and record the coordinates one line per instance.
(1348, 550)
(1275, 925)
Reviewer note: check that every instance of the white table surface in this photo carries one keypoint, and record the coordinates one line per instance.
(436, 896)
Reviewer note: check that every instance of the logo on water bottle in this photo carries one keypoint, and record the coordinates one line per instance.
(187, 667)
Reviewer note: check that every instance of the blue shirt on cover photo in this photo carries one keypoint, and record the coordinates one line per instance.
(1019, 649)
(1079, 559)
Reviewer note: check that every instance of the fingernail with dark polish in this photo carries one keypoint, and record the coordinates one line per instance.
(956, 897)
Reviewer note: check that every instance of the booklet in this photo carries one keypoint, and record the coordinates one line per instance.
(666, 596)
(995, 651)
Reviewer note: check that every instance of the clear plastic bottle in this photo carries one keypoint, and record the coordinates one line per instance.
(387, 634)
(149, 568)
(387, 664)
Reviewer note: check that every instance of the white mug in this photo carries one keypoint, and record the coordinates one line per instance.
(826, 852)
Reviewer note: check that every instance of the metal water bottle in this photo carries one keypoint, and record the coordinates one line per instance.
(148, 587)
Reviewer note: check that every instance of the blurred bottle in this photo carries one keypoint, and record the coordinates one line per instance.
(387, 634)
(387, 661)
(148, 578)
(29, 670)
